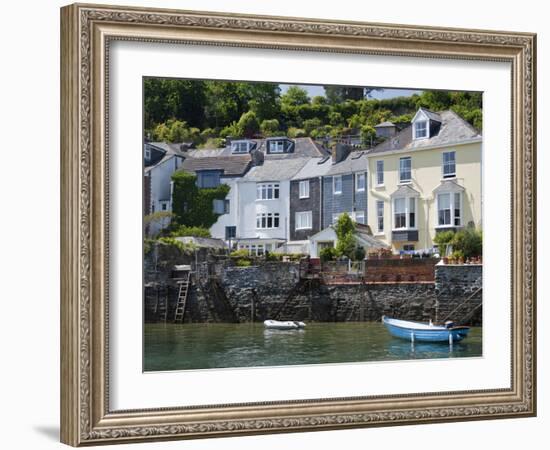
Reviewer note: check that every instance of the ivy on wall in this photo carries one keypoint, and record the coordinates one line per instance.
(193, 206)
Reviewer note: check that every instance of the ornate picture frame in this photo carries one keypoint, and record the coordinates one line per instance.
(86, 34)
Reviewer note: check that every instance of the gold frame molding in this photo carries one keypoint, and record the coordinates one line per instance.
(86, 31)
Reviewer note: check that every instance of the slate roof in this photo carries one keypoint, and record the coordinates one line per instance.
(431, 115)
(405, 191)
(355, 162)
(169, 150)
(276, 169)
(315, 167)
(448, 186)
(385, 124)
(453, 130)
(235, 165)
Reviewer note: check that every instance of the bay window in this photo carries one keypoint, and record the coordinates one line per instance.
(449, 209)
(267, 220)
(404, 213)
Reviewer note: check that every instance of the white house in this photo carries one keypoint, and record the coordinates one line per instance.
(161, 160)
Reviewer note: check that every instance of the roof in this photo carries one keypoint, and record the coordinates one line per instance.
(362, 234)
(231, 165)
(385, 124)
(275, 169)
(202, 242)
(405, 190)
(453, 130)
(431, 115)
(448, 186)
(355, 162)
(169, 150)
(315, 167)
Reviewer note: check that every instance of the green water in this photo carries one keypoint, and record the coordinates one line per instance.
(208, 346)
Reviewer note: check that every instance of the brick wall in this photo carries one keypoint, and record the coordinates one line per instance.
(405, 270)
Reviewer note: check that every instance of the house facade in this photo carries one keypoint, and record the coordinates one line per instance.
(344, 187)
(425, 179)
(306, 200)
(161, 160)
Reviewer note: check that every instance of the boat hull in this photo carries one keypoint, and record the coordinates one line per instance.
(286, 325)
(426, 333)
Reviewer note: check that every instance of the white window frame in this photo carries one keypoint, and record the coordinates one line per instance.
(236, 147)
(277, 146)
(407, 213)
(263, 219)
(452, 206)
(408, 180)
(380, 172)
(358, 176)
(444, 164)
(263, 191)
(334, 191)
(303, 189)
(379, 215)
(426, 133)
(299, 220)
(358, 214)
(147, 154)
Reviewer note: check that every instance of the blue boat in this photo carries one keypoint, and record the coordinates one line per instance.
(422, 332)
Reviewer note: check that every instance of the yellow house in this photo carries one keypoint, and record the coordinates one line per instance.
(425, 179)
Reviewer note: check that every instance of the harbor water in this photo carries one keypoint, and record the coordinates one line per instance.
(222, 345)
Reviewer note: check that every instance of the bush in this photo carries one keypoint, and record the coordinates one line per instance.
(269, 127)
(327, 254)
(243, 263)
(469, 242)
(359, 254)
(184, 248)
(183, 230)
(241, 253)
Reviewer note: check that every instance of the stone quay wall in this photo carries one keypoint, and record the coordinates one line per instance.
(274, 290)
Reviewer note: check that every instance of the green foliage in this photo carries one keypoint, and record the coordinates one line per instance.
(444, 238)
(270, 127)
(186, 248)
(241, 253)
(368, 135)
(176, 131)
(327, 254)
(193, 207)
(204, 111)
(212, 143)
(469, 241)
(243, 263)
(344, 231)
(296, 132)
(248, 125)
(161, 218)
(182, 230)
(359, 254)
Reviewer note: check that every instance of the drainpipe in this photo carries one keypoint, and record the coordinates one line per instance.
(320, 203)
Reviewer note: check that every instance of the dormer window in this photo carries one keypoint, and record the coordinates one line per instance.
(279, 145)
(241, 146)
(421, 129)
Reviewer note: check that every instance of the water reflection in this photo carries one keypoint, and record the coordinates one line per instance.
(202, 346)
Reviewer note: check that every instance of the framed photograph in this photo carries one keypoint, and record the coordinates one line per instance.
(276, 224)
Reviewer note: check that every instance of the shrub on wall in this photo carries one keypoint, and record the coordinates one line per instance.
(193, 206)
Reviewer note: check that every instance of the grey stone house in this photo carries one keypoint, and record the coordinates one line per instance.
(306, 210)
(345, 186)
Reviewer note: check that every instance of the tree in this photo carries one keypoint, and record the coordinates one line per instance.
(248, 125)
(345, 229)
(270, 127)
(368, 135)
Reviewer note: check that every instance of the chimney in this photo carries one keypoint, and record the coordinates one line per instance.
(257, 157)
(340, 152)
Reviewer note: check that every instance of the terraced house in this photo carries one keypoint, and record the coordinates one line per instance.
(345, 186)
(425, 179)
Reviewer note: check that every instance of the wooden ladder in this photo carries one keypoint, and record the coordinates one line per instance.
(182, 298)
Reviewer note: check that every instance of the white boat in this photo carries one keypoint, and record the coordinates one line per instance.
(286, 325)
